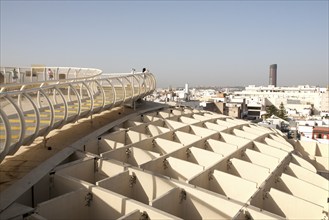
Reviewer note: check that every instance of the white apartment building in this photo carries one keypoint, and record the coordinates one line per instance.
(295, 98)
(325, 102)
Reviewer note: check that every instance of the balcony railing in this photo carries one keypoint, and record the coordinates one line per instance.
(33, 105)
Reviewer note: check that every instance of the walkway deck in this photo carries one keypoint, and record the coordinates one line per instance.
(32, 108)
(29, 157)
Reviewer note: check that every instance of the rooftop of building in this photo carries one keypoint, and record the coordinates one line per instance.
(161, 162)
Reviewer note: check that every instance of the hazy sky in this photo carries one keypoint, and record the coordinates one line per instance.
(217, 43)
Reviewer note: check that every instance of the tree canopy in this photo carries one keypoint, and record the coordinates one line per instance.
(282, 112)
(272, 110)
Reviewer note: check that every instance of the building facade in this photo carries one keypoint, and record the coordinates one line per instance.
(299, 99)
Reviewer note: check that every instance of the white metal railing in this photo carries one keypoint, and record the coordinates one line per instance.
(32, 108)
(10, 75)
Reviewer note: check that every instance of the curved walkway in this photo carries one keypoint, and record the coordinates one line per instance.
(32, 105)
(29, 158)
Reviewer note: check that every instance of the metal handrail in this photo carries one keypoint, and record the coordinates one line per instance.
(32, 75)
(31, 109)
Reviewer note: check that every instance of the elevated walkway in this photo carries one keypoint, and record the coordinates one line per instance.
(32, 107)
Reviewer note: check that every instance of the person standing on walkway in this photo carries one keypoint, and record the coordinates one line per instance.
(144, 71)
(50, 74)
(15, 74)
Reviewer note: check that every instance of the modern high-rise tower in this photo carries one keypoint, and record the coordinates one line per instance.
(272, 76)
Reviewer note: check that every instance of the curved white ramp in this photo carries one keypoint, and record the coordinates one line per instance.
(32, 104)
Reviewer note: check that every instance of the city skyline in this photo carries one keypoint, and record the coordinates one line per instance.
(210, 43)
